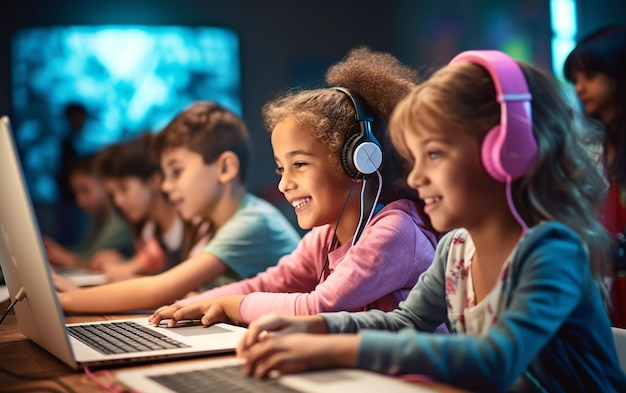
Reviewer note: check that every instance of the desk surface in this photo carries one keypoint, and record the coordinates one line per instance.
(25, 367)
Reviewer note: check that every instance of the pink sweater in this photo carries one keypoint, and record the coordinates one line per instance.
(377, 273)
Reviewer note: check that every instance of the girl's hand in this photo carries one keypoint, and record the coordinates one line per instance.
(210, 311)
(300, 352)
(273, 325)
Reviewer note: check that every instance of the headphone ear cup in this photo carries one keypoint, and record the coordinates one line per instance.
(367, 157)
(491, 154)
(347, 156)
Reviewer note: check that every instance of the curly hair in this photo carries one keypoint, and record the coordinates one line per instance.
(565, 183)
(380, 81)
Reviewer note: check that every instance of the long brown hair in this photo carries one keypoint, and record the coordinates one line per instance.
(565, 183)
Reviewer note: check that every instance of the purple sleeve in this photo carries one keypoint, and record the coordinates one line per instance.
(378, 272)
(295, 272)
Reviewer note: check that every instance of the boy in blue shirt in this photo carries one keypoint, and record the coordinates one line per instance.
(204, 154)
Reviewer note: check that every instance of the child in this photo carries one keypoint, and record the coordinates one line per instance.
(525, 304)
(133, 179)
(106, 229)
(204, 153)
(596, 68)
(315, 135)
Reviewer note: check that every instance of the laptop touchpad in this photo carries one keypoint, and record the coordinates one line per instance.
(195, 328)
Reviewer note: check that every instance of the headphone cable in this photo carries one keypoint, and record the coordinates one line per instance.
(516, 215)
(333, 243)
(362, 224)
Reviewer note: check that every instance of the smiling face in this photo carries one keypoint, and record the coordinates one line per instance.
(312, 183)
(449, 177)
(191, 185)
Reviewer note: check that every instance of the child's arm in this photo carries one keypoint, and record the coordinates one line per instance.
(295, 272)
(292, 273)
(550, 278)
(377, 272)
(366, 274)
(300, 352)
(147, 292)
(279, 325)
(210, 311)
(59, 255)
(223, 304)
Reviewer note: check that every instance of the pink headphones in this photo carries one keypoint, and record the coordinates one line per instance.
(509, 149)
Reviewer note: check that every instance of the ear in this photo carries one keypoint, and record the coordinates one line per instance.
(227, 167)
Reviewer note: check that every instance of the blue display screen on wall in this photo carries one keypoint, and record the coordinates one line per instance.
(130, 79)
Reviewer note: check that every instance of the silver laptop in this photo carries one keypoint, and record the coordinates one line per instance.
(39, 315)
(225, 376)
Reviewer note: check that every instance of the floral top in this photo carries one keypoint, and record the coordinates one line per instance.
(464, 314)
(554, 333)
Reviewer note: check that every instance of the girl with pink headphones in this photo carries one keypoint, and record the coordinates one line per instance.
(518, 278)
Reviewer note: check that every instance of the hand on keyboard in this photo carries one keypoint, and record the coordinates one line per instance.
(209, 311)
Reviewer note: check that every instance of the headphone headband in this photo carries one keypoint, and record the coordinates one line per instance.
(361, 154)
(509, 150)
(361, 115)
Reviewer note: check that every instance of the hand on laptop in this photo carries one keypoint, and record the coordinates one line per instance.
(298, 352)
(210, 311)
(273, 325)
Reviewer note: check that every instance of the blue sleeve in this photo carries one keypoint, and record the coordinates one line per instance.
(424, 309)
(550, 272)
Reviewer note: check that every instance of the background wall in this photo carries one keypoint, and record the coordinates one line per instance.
(286, 43)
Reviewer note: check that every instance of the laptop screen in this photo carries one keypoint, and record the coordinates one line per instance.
(22, 257)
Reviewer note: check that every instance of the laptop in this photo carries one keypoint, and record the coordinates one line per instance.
(39, 315)
(225, 376)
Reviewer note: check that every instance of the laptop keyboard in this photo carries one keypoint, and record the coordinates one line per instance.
(229, 379)
(122, 337)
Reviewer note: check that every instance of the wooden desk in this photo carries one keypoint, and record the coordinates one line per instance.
(25, 367)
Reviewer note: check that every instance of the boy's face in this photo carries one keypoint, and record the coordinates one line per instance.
(191, 185)
(89, 192)
(133, 196)
(310, 180)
